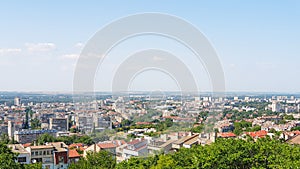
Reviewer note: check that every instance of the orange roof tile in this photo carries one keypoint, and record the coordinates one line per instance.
(75, 145)
(107, 145)
(256, 134)
(73, 154)
(135, 141)
(226, 135)
(26, 145)
(143, 123)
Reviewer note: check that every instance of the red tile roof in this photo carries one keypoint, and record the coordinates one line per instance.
(26, 145)
(73, 154)
(118, 142)
(257, 134)
(76, 145)
(143, 123)
(107, 145)
(135, 141)
(226, 135)
(297, 132)
(73, 127)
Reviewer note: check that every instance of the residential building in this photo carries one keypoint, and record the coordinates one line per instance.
(109, 146)
(294, 140)
(135, 148)
(275, 106)
(257, 134)
(157, 147)
(42, 154)
(61, 157)
(59, 124)
(186, 141)
(74, 156)
(23, 154)
(85, 123)
(28, 136)
(17, 101)
(103, 123)
(226, 135)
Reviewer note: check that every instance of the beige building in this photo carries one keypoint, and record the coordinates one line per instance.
(23, 154)
(42, 154)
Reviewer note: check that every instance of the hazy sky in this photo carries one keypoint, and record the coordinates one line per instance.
(258, 43)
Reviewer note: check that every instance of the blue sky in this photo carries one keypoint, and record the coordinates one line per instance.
(258, 42)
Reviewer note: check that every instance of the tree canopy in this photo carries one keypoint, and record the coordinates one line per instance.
(8, 160)
(224, 153)
(100, 160)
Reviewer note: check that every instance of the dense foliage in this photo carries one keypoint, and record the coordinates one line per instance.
(225, 153)
(44, 138)
(102, 159)
(7, 160)
(240, 127)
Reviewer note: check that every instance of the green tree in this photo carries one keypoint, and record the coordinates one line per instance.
(165, 162)
(73, 130)
(44, 138)
(7, 158)
(100, 160)
(295, 128)
(33, 166)
(35, 123)
(85, 140)
(197, 129)
(288, 117)
(126, 122)
(226, 154)
(254, 128)
(4, 138)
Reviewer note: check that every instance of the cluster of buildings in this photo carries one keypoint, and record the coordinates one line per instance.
(66, 118)
(51, 155)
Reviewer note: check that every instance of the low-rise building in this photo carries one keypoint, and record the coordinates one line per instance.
(42, 154)
(61, 157)
(74, 156)
(28, 136)
(109, 146)
(23, 154)
(186, 142)
(226, 135)
(135, 148)
(157, 147)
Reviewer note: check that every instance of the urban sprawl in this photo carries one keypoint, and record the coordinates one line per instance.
(56, 130)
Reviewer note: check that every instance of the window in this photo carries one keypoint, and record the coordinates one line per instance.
(36, 153)
(21, 159)
(61, 159)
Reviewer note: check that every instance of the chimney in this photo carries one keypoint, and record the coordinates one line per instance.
(34, 143)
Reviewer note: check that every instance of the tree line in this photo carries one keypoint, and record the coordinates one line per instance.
(224, 153)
